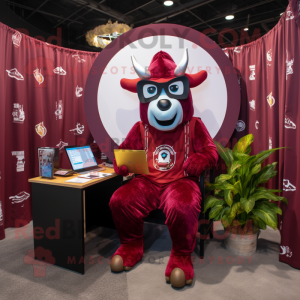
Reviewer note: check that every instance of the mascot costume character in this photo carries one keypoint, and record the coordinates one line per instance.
(178, 148)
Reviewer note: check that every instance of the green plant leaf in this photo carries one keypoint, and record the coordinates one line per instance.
(266, 194)
(247, 204)
(267, 215)
(238, 187)
(243, 143)
(228, 197)
(223, 177)
(258, 222)
(260, 157)
(255, 169)
(273, 207)
(215, 211)
(225, 153)
(235, 165)
(234, 209)
(211, 201)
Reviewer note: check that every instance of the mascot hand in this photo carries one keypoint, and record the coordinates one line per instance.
(123, 171)
(195, 165)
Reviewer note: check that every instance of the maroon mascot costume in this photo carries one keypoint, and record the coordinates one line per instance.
(178, 148)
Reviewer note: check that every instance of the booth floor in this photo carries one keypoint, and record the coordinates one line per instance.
(221, 275)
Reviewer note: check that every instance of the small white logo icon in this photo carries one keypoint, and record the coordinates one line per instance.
(19, 198)
(256, 124)
(59, 110)
(59, 71)
(289, 14)
(78, 91)
(252, 72)
(14, 73)
(164, 158)
(16, 39)
(1, 214)
(289, 67)
(61, 145)
(271, 99)
(285, 250)
(20, 160)
(80, 60)
(18, 113)
(240, 126)
(238, 49)
(289, 124)
(41, 129)
(287, 186)
(269, 57)
(78, 130)
(270, 143)
(38, 76)
(226, 51)
(252, 104)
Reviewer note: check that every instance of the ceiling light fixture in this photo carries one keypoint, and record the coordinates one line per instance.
(168, 3)
(229, 17)
(281, 14)
(246, 29)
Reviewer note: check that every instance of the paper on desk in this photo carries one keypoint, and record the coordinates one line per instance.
(79, 180)
(92, 175)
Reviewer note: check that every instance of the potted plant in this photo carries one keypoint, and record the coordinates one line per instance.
(240, 200)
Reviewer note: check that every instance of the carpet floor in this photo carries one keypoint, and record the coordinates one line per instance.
(220, 275)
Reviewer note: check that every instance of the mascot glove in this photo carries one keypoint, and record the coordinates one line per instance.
(123, 171)
(195, 165)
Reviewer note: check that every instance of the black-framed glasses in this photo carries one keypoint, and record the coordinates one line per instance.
(177, 88)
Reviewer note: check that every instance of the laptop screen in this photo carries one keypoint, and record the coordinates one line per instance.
(81, 157)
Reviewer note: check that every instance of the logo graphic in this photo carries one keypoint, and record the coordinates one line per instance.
(271, 99)
(59, 71)
(41, 129)
(252, 72)
(256, 124)
(78, 91)
(16, 39)
(287, 186)
(79, 129)
(38, 76)
(269, 57)
(289, 67)
(59, 110)
(18, 113)
(289, 14)
(20, 160)
(289, 124)
(61, 145)
(270, 143)
(19, 198)
(1, 214)
(44, 258)
(80, 60)
(285, 250)
(252, 104)
(238, 49)
(14, 73)
(240, 126)
(164, 158)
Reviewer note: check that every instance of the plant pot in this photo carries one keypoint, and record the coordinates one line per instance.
(242, 244)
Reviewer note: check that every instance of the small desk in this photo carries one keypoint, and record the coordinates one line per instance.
(62, 212)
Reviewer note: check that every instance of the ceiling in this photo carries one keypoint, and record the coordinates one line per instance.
(76, 17)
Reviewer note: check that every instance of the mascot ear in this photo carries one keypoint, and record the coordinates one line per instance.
(196, 79)
(129, 84)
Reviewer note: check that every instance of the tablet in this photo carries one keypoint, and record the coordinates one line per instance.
(134, 160)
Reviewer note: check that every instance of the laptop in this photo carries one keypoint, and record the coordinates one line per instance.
(82, 159)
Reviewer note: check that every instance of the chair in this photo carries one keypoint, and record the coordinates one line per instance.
(157, 216)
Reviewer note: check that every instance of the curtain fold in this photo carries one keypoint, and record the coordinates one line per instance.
(41, 91)
(268, 70)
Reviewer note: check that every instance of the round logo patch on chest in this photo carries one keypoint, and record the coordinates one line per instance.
(164, 158)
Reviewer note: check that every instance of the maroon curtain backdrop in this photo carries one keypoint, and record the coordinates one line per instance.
(41, 91)
(268, 70)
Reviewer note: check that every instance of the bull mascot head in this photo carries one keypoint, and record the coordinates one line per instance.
(164, 90)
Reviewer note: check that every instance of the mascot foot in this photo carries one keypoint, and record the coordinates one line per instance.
(179, 271)
(177, 278)
(127, 256)
(116, 264)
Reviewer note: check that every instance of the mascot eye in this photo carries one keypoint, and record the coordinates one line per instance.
(149, 90)
(176, 88)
